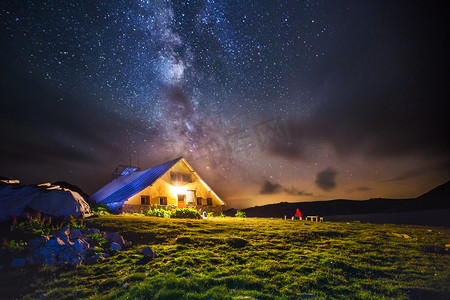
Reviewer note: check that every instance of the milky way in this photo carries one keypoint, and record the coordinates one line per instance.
(348, 87)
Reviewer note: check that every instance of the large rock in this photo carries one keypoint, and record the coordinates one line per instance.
(81, 244)
(114, 237)
(74, 234)
(94, 259)
(55, 243)
(38, 242)
(64, 231)
(149, 253)
(71, 256)
(115, 246)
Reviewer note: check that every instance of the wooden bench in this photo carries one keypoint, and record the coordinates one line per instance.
(313, 218)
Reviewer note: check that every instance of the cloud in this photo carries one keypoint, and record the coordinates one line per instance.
(276, 188)
(270, 188)
(294, 191)
(358, 189)
(326, 179)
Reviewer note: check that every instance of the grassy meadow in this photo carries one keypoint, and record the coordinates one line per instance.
(233, 258)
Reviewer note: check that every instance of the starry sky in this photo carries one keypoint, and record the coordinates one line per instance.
(269, 101)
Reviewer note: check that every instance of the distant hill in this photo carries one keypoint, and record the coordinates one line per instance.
(437, 198)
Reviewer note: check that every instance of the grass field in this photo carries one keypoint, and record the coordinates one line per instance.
(230, 258)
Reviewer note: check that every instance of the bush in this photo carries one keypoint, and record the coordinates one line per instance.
(222, 216)
(97, 239)
(185, 213)
(240, 214)
(210, 214)
(76, 224)
(33, 227)
(158, 212)
(101, 209)
(138, 214)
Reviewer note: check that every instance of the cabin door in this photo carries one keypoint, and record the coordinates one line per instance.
(181, 201)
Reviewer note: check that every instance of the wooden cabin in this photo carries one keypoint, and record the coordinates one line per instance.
(173, 184)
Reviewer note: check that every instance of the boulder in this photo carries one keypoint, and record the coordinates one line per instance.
(71, 256)
(115, 246)
(38, 242)
(80, 244)
(149, 253)
(114, 237)
(54, 242)
(93, 259)
(74, 234)
(18, 262)
(64, 231)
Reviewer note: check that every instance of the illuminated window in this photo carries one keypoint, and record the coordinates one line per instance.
(145, 200)
(209, 201)
(180, 177)
(162, 200)
(199, 200)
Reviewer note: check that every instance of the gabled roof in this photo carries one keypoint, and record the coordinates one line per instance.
(123, 187)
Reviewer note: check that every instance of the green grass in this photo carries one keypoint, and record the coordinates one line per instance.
(234, 258)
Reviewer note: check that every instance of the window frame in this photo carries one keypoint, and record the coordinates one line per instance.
(145, 200)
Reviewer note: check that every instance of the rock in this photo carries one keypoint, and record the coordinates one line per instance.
(115, 246)
(38, 242)
(89, 231)
(71, 256)
(64, 231)
(114, 237)
(105, 255)
(86, 231)
(148, 252)
(74, 234)
(93, 259)
(18, 262)
(81, 244)
(54, 242)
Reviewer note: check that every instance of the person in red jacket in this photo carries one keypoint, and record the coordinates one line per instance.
(298, 214)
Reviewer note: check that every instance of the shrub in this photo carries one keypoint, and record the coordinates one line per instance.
(240, 214)
(76, 224)
(33, 227)
(210, 214)
(101, 209)
(97, 239)
(185, 213)
(222, 216)
(138, 214)
(11, 250)
(158, 212)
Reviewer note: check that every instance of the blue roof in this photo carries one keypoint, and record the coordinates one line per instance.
(123, 187)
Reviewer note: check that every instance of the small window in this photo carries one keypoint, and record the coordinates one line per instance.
(174, 176)
(180, 177)
(209, 201)
(199, 200)
(162, 200)
(145, 200)
(186, 177)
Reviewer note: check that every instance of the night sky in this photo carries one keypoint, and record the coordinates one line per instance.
(269, 101)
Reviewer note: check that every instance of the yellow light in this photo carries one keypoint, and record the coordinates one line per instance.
(177, 190)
